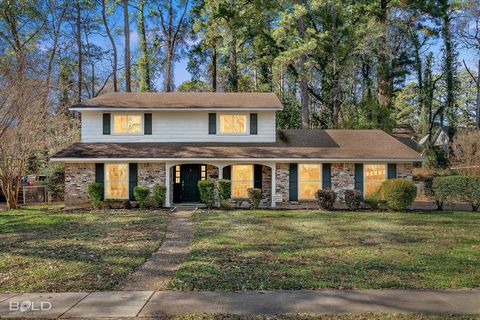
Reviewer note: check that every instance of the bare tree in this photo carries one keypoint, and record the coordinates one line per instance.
(466, 152)
(172, 27)
(128, 77)
(78, 35)
(114, 47)
(22, 132)
(469, 31)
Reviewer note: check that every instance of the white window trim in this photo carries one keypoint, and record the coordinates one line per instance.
(105, 181)
(247, 130)
(365, 177)
(252, 180)
(298, 180)
(142, 124)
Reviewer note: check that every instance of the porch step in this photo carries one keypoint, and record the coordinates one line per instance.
(189, 206)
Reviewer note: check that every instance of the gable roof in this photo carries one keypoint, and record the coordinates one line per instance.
(327, 145)
(182, 100)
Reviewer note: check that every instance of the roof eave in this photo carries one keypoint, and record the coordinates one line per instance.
(81, 109)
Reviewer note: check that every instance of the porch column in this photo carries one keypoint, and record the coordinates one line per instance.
(274, 183)
(220, 171)
(167, 184)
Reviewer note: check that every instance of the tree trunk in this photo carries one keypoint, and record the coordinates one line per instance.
(478, 95)
(79, 52)
(114, 47)
(304, 101)
(168, 79)
(383, 83)
(143, 65)
(449, 75)
(335, 73)
(214, 69)
(233, 74)
(128, 78)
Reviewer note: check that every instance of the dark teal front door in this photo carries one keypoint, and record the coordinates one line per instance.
(189, 177)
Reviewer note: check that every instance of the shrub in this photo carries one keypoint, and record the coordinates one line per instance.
(207, 192)
(56, 181)
(373, 200)
(458, 188)
(254, 196)
(141, 194)
(224, 189)
(326, 199)
(353, 199)
(95, 193)
(399, 194)
(159, 194)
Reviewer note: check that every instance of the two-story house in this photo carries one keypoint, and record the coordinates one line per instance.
(177, 139)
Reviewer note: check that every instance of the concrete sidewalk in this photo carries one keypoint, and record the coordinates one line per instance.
(130, 304)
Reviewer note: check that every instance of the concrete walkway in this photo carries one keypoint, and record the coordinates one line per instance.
(157, 271)
(131, 304)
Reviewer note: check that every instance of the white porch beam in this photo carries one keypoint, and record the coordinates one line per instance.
(274, 183)
(167, 184)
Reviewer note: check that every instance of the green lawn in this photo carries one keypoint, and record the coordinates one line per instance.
(238, 250)
(49, 250)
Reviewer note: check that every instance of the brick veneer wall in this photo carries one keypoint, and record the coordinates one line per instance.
(212, 172)
(282, 181)
(343, 178)
(151, 174)
(77, 177)
(266, 186)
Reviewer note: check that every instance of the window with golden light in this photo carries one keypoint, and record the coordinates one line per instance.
(375, 174)
(309, 180)
(116, 181)
(242, 180)
(233, 123)
(127, 123)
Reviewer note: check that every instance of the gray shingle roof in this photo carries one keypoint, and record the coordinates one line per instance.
(291, 144)
(182, 100)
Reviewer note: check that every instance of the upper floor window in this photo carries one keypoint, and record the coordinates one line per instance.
(309, 180)
(127, 123)
(233, 123)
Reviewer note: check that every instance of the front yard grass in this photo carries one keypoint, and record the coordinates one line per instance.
(49, 250)
(241, 250)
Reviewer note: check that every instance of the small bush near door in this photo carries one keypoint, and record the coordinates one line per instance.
(95, 194)
(398, 194)
(353, 199)
(224, 192)
(254, 196)
(159, 195)
(207, 192)
(326, 199)
(141, 194)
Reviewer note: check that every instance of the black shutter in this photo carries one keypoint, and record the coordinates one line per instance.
(257, 176)
(359, 177)
(148, 123)
(100, 173)
(227, 173)
(106, 123)
(293, 179)
(326, 176)
(253, 123)
(212, 123)
(392, 171)
(132, 179)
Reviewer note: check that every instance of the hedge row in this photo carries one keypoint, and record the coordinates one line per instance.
(458, 189)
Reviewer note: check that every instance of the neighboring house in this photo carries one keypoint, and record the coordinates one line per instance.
(439, 139)
(177, 139)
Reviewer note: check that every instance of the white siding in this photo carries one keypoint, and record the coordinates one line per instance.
(177, 126)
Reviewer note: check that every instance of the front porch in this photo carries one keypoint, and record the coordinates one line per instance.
(182, 178)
